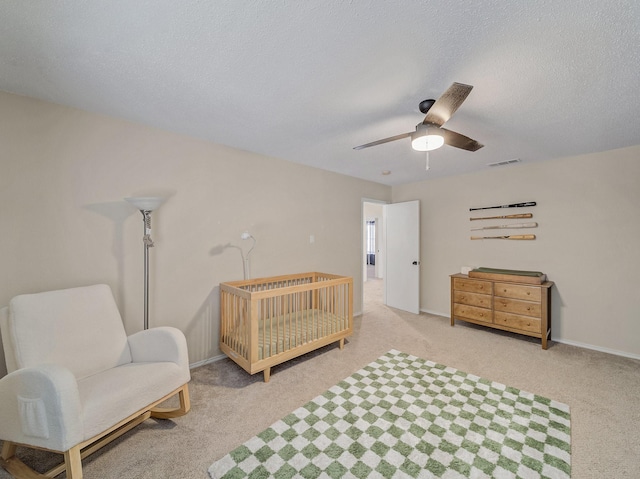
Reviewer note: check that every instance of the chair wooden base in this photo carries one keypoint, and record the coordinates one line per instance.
(73, 457)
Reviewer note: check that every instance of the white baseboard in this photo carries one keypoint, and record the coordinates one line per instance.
(435, 313)
(597, 348)
(207, 361)
(565, 341)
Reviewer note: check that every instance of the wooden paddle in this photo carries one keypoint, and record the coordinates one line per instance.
(510, 237)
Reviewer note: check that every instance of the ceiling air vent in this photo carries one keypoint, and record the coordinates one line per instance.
(506, 162)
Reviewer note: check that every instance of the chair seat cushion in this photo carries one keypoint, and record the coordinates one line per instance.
(112, 395)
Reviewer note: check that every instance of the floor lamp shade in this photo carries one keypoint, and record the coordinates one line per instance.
(146, 203)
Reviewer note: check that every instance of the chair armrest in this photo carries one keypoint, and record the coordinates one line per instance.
(159, 344)
(40, 406)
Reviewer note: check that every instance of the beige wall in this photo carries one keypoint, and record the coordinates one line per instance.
(588, 240)
(64, 174)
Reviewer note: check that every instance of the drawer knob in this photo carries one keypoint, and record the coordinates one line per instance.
(528, 293)
(504, 290)
(528, 308)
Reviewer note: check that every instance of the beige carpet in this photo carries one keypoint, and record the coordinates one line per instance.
(229, 406)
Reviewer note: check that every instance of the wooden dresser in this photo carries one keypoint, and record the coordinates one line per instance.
(517, 307)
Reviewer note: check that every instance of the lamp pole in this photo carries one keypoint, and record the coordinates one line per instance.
(146, 205)
(148, 243)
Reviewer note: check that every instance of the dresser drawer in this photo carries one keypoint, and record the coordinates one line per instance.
(484, 287)
(464, 311)
(472, 299)
(517, 291)
(516, 306)
(516, 321)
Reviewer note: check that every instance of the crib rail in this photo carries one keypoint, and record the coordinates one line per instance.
(266, 320)
(278, 282)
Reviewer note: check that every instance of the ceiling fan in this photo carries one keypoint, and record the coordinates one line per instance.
(429, 134)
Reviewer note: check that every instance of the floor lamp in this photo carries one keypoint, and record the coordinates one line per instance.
(146, 204)
(245, 258)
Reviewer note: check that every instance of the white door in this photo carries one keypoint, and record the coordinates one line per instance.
(402, 275)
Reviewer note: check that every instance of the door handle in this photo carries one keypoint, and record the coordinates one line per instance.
(416, 263)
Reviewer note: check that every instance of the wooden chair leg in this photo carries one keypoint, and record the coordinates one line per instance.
(8, 450)
(73, 463)
(168, 413)
(185, 399)
(14, 466)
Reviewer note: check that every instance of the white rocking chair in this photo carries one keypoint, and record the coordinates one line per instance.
(76, 381)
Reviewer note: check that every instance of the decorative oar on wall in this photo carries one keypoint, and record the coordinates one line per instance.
(511, 205)
(509, 237)
(504, 217)
(514, 225)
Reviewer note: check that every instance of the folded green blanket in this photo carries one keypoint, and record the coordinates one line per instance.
(509, 271)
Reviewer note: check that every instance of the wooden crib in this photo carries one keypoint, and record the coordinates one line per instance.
(266, 321)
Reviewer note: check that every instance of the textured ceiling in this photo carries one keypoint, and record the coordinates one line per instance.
(306, 81)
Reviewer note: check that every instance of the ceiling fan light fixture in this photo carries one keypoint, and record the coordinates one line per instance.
(425, 140)
(429, 134)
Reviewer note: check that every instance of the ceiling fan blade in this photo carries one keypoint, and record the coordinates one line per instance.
(386, 140)
(458, 140)
(447, 104)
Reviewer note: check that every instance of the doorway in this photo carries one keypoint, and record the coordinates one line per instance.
(372, 251)
(371, 248)
(391, 254)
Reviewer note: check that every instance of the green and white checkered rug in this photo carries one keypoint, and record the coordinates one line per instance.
(402, 416)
